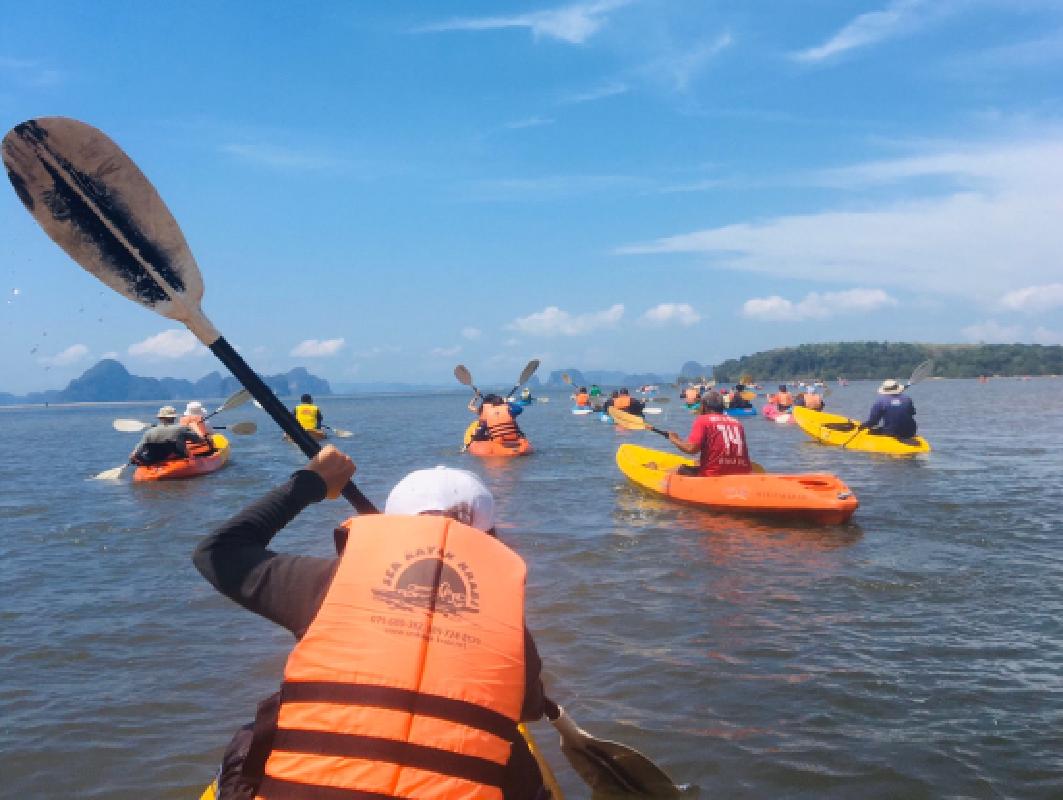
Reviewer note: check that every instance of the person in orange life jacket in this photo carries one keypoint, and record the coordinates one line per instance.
(719, 440)
(582, 398)
(470, 743)
(809, 400)
(737, 400)
(625, 402)
(309, 415)
(497, 418)
(895, 410)
(782, 398)
(609, 402)
(194, 418)
(166, 441)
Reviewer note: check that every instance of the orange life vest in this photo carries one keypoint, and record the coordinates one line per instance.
(622, 402)
(500, 422)
(410, 680)
(813, 401)
(783, 400)
(197, 424)
(583, 399)
(690, 395)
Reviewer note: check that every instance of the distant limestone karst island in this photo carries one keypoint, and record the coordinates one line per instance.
(109, 381)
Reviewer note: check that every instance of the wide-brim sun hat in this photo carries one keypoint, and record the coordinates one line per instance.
(166, 412)
(890, 386)
(456, 493)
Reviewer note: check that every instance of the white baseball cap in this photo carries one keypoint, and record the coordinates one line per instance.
(455, 492)
(195, 409)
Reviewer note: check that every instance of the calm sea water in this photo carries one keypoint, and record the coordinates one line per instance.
(914, 653)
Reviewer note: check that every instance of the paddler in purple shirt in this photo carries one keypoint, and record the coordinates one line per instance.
(895, 410)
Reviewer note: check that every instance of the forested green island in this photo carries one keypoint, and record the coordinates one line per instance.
(880, 360)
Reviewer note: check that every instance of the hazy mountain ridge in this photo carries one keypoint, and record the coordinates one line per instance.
(109, 381)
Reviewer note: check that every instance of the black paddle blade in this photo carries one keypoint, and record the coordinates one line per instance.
(96, 204)
(529, 370)
(614, 771)
(461, 372)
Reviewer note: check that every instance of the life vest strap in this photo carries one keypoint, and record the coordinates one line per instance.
(373, 748)
(282, 790)
(463, 712)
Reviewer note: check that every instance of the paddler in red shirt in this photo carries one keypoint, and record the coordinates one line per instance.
(719, 439)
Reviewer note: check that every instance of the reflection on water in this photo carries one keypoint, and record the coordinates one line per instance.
(915, 652)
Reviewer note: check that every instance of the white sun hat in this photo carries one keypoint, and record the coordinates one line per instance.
(194, 408)
(890, 386)
(457, 493)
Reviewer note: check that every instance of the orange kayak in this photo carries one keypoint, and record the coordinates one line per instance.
(819, 498)
(196, 463)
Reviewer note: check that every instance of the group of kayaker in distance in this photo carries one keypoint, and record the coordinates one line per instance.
(169, 439)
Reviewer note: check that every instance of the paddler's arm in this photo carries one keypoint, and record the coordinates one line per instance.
(534, 694)
(683, 444)
(236, 560)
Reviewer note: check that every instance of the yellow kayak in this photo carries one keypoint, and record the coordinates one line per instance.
(211, 792)
(838, 431)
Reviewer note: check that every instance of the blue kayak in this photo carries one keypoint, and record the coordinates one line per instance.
(740, 412)
(582, 410)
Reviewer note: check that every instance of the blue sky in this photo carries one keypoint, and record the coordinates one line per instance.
(380, 190)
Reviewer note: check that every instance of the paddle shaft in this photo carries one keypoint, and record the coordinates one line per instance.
(281, 415)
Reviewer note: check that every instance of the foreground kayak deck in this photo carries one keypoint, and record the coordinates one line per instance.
(820, 498)
(187, 467)
(836, 430)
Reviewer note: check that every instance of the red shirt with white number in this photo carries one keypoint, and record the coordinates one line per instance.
(722, 440)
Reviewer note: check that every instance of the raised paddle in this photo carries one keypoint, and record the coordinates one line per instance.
(526, 373)
(920, 373)
(233, 401)
(461, 372)
(96, 204)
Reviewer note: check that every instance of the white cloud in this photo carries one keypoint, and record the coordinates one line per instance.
(445, 352)
(816, 305)
(574, 24)
(552, 321)
(110, 354)
(867, 29)
(1043, 335)
(1034, 298)
(1001, 229)
(376, 351)
(281, 157)
(174, 343)
(992, 332)
(679, 68)
(72, 355)
(317, 348)
(611, 89)
(529, 122)
(471, 333)
(670, 314)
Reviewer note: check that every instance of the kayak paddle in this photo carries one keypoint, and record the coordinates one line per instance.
(613, 769)
(97, 205)
(526, 373)
(136, 426)
(133, 426)
(920, 373)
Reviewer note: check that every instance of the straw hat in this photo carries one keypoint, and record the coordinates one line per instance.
(890, 386)
(167, 412)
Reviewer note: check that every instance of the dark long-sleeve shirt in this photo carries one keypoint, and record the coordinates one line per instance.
(896, 413)
(289, 589)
